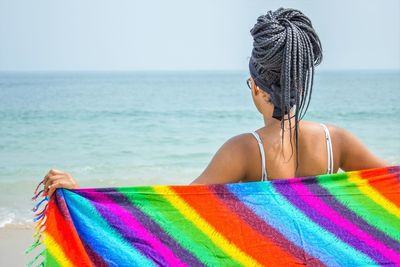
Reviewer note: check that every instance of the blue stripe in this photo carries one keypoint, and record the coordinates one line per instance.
(96, 232)
(274, 209)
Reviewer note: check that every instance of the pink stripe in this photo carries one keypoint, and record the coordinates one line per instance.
(331, 214)
(137, 227)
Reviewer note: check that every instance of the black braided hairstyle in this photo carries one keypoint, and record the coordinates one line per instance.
(285, 50)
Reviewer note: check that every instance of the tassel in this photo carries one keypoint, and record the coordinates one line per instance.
(41, 222)
(37, 218)
(40, 216)
(40, 219)
(38, 205)
(42, 211)
(37, 194)
(40, 225)
(39, 231)
(34, 245)
(37, 187)
(37, 237)
(35, 258)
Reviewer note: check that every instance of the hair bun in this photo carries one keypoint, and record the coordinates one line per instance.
(270, 31)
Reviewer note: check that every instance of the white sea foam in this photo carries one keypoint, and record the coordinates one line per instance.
(15, 219)
(6, 217)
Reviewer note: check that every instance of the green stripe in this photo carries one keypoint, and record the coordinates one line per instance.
(350, 196)
(50, 260)
(161, 211)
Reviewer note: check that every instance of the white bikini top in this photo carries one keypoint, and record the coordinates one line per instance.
(264, 176)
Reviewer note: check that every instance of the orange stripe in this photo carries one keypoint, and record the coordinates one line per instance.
(227, 223)
(65, 234)
(384, 182)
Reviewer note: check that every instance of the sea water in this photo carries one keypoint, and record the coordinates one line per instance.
(148, 128)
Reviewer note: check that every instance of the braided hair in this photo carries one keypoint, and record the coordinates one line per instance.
(285, 50)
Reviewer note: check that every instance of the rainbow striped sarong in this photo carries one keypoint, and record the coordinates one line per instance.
(342, 219)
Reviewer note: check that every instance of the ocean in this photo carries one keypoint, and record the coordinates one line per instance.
(148, 128)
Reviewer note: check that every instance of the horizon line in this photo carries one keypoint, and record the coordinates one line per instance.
(179, 70)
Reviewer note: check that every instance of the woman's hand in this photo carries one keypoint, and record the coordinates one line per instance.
(58, 179)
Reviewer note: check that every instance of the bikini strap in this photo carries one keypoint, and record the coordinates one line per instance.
(329, 148)
(260, 145)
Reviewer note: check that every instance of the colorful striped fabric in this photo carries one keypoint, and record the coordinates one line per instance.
(343, 219)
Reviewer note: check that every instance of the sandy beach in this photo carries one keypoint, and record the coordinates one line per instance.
(13, 242)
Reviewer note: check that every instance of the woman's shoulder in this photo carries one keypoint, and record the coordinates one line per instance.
(335, 131)
(240, 146)
(242, 139)
(349, 150)
(310, 131)
(228, 164)
(316, 127)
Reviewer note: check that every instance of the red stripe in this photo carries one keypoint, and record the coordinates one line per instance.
(228, 223)
(385, 182)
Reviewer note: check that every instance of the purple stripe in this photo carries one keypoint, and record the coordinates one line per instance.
(94, 257)
(317, 204)
(332, 202)
(288, 192)
(248, 216)
(155, 229)
(395, 170)
(131, 231)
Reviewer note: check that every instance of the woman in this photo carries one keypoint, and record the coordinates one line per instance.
(286, 49)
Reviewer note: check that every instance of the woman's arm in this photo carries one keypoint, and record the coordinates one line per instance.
(227, 165)
(354, 155)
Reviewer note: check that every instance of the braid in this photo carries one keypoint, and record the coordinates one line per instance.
(285, 50)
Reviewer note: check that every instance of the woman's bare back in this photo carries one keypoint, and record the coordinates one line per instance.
(281, 163)
(312, 152)
(239, 158)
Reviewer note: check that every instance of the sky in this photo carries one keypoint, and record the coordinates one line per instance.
(126, 35)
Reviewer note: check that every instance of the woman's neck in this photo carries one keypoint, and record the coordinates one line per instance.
(274, 124)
